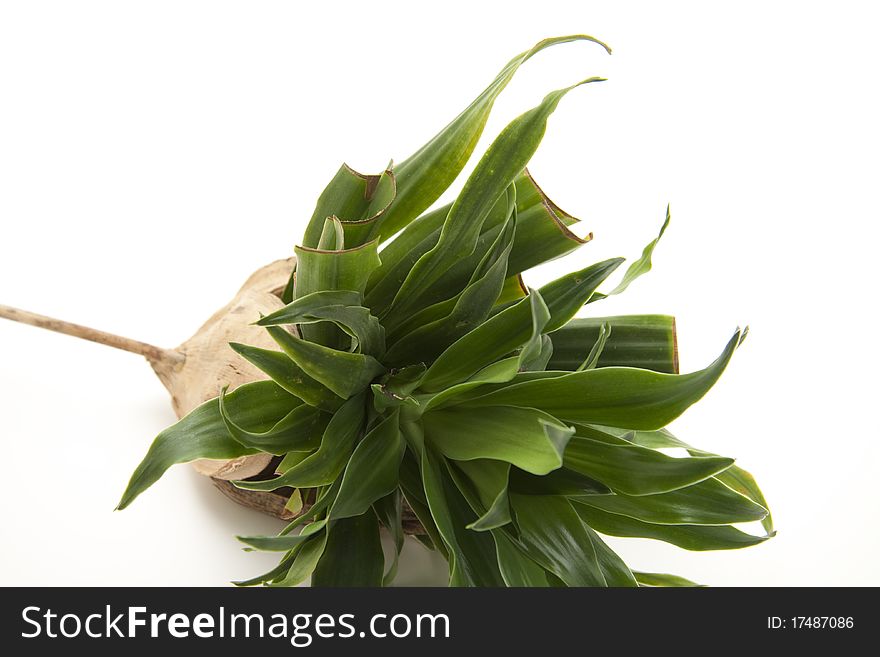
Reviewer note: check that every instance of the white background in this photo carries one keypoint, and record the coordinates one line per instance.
(153, 154)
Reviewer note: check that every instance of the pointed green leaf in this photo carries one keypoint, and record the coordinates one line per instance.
(202, 434)
(353, 556)
(507, 331)
(529, 439)
(622, 397)
(642, 265)
(708, 502)
(554, 536)
(341, 307)
(504, 160)
(661, 579)
(289, 376)
(472, 558)
(689, 537)
(634, 470)
(489, 481)
(372, 471)
(307, 556)
(282, 543)
(566, 295)
(325, 465)
(426, 174)
(343, 372)
(299, 430)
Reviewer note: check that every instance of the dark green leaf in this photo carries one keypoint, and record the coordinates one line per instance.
(372, 471)
(325, 465)
(299, 430)
(622, 397)
(689, 537)
(203, 435)
(343, 372)
(289, 376)
(555, 537)
(641, 341)
(353, 556)
(426, 174)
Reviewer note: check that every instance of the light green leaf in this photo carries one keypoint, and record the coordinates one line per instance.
(284, 542)
(307, 556)
(529, 439)
(489, 480)
(566, 295)
(642, 265)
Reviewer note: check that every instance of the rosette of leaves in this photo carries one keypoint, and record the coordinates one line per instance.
(426, 375)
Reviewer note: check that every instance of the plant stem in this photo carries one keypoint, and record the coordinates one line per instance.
(149, 351)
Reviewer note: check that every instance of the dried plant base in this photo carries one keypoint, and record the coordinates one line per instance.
(201, 367)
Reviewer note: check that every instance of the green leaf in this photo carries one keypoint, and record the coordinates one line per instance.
(285, 542)
(566, 295)
(343, 372)
(708, 502)
(516, 568)
(634, 470)
(614, 570)
(472, 558)
(617, 396)
(389, 511)
(372, 471)
(529, 439)
(307, 556)
(661, 579)
(325, 465)
(321, 270)
(289, 376)
(356, 201)
(559, 482)
(641, 341)
(733, 477)
(518, 326)
(504, 160)
(426, 174)
(554, 536)
(489, 480)
(299, 430)
(592, 359)
(353, 556)
(642, 265)
(689, 537)
(202, 434)
(438, 326)
(340, 307)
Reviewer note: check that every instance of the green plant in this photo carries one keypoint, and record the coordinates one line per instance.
(426, 374)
